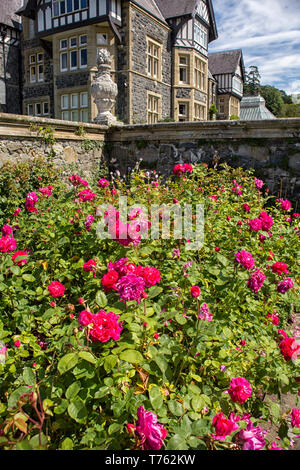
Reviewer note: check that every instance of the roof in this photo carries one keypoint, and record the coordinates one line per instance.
(178, 8)
(8, 15)
(225, 62)
(152, 7)
(254, 108)
(173, 8)
(28, 9)
(210, 76)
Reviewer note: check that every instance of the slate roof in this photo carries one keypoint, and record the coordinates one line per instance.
(225, 62)
(152, 7)
(8, 9)
(254, 108)
(173, 8)
(176, 8)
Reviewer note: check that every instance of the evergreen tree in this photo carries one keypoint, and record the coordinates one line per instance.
(252, 82)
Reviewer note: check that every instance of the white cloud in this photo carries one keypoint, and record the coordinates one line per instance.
(268, 32)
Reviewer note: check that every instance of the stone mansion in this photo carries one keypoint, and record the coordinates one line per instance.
(159, 51)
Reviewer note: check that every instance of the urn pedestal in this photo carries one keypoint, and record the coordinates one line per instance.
(104, 90)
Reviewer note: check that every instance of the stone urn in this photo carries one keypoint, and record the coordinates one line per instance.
(104, 90)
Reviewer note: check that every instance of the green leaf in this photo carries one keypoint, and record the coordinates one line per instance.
(28, 376)
(87, 356)
(101, 299)
(175, 408)
(67, 444)
(67, 362)
(154, 291)
(28, 277)
(110, 362)
(156, 398)
(197, 402)
(15, 270)
(73, 390)
(132, 356)
(14, 397)
(227, 332)
(114, 427)
(77, 411)
(61, 407)
(176, 442)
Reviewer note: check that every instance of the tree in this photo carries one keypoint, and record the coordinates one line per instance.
(287, 99)
(252, 81)
(290, 110)
(273, 98)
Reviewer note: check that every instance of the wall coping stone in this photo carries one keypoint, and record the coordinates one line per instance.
(14, 125)
(212, 130)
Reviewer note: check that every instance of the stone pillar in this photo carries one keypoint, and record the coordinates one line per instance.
(104, 90)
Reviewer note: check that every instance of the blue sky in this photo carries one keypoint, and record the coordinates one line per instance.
(268, 32)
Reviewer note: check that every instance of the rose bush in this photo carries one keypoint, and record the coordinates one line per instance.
(143, 343)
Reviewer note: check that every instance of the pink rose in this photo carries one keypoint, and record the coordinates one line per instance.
(7, 244)
(285, 285)
(255, 225)
(295, 418)
(148, 431)
(285, 204)
(252, 437)
(245, 259)
(224, 426)
(240, 390)
(256, 281)
(85, 318)
(103, 183)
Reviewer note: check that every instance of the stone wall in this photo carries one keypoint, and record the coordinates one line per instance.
(71, 147)
(271, 147)
(144, 27)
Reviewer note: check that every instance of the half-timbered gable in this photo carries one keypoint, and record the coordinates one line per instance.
(228, 70)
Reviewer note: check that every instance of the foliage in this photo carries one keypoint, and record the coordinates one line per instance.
(273, 98)
(60, 390)
(252, 81)
(290, 110)
(213, 110)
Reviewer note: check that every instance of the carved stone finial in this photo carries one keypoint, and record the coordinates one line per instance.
(104, 89)
(103, 57)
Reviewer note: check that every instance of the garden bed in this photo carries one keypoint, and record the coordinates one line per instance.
(122, 335)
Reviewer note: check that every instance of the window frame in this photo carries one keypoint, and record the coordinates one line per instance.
(153, 108)
(64, 54)
(154, 71)
(184, 68)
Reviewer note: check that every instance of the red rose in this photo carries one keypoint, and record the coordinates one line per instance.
(56, 289)
(279, 268)
(109, 280)
(151, 276)
(195, 291)
(21, 261)
(85, 318)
